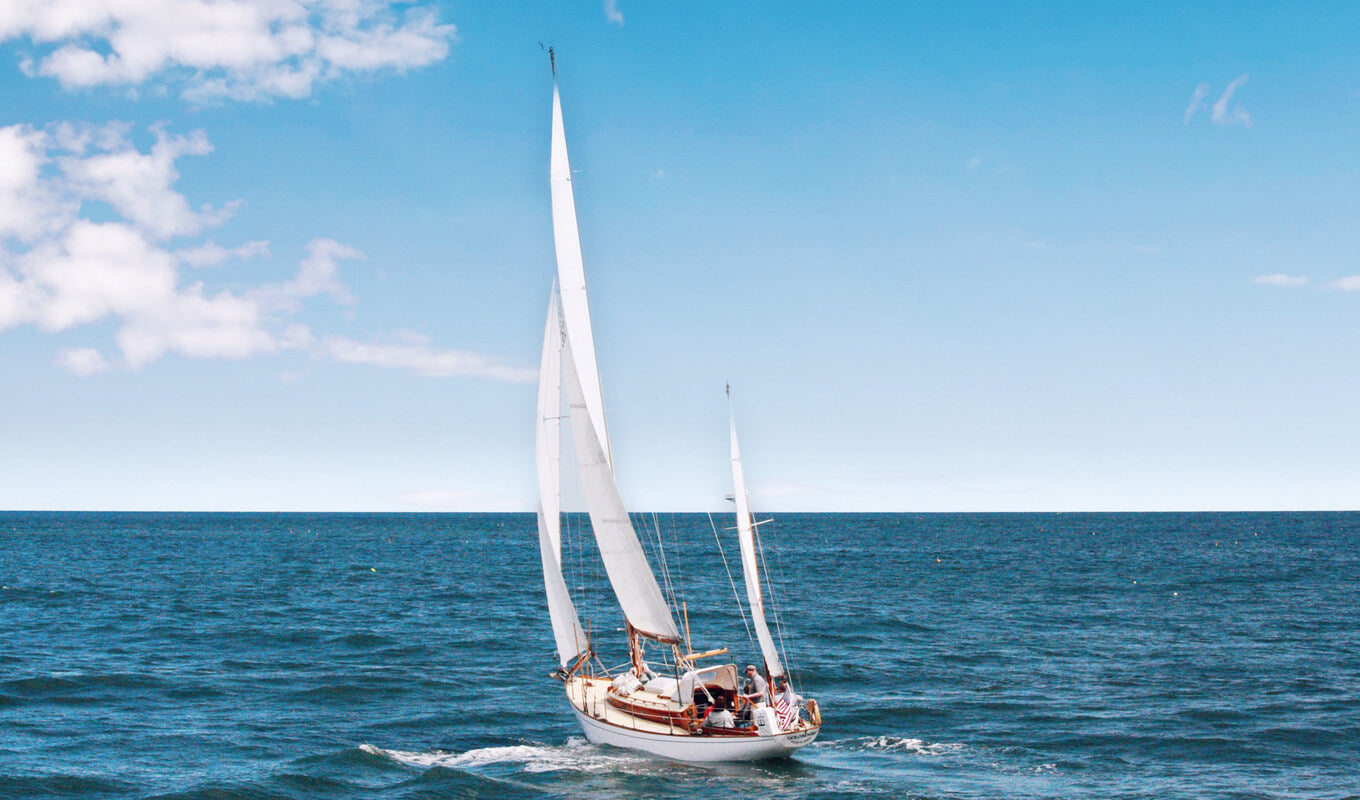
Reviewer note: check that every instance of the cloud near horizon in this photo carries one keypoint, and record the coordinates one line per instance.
(60, 270)
(221, 49)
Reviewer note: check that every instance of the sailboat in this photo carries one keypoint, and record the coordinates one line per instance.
(667, 700)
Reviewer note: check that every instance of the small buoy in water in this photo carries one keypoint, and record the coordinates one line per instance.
(371, 569)
(937, 561)
(1175, 594)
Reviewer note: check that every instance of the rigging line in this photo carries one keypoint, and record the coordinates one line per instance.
(661, 556)
(740, 608)
(665, 563)
(774, 601)
(677, 553)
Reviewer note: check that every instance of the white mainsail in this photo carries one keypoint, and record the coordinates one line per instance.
(566, 625)
(749, 566)
(571, 276)
(625, 562)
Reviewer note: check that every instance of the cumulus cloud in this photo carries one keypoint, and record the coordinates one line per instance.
(60, 269)
(213, 49)
(612, 12)
(1350, 283)
(1280, 279)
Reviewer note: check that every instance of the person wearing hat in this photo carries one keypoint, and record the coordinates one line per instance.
(756, 689)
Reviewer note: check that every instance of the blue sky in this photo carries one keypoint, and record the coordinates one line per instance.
(966, 256)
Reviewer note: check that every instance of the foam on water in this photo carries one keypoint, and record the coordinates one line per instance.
(894, 744)
(576, 755)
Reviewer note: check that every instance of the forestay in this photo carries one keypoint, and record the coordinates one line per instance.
(566, 625)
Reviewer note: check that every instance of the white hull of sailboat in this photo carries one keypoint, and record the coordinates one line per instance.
(696, 749)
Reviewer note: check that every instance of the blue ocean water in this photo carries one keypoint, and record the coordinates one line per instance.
(407, 656)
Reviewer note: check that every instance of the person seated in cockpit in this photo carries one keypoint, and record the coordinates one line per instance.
(720, 717)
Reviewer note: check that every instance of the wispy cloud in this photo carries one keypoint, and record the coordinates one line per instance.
(1224, 111)
(1223, 114)
(215, 49)
(1280, 279)
(82, 361)
(1350, 283)
(429, 361)
(612, 13)
(211, 254)
(973, 164)
(61, 270)
(1196, 100)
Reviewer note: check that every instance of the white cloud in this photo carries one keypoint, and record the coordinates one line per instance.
(211, 254)
(60, 270)
(1223, 115)
(81, 361)
(1223, 111)
(429, 361)
(973, 164)
(1350, 283)
(138, 185)
(612, 12)
(1280, 279)
(1196, 100)
(320, 274)
(240, 49)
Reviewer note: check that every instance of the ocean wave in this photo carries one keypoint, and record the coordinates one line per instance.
(576, 755)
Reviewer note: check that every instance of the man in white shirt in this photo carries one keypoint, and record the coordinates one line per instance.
(720, 717)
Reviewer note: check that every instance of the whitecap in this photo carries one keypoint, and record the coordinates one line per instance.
(904, 744)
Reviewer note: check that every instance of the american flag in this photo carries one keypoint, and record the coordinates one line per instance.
(787, 711)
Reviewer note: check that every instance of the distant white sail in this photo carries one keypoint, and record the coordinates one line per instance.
(749, 564)
(571, 276)
(625, 562)
(567, 631)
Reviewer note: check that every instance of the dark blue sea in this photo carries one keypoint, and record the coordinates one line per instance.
(302, 656)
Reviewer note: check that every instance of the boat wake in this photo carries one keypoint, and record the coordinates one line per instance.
(576, 755)
(898, 744)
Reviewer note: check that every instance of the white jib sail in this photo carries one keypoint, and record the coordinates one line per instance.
(625, 562)
(749, 565)
(567, 632)
(571, 276)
